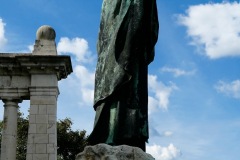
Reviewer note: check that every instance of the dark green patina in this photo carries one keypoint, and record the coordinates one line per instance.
(128, 33)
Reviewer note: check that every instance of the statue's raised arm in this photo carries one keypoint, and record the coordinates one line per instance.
(127, 36)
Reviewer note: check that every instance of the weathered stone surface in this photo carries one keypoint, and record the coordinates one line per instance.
(46, 32)
(106, 152)
(45, 41)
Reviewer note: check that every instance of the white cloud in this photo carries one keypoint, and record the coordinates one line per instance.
(87, 96)
(84, 75)
(177, 72)
(164, 153)
(161, 93)
(30, 48)
(85, 80)
(231, 89)
(152, 104)
(154, 132)
(76, 46)
(167, 133)
(214, 27)
(3, 40)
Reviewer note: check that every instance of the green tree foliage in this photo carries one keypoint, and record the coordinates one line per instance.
(69, 142)
(22, 133)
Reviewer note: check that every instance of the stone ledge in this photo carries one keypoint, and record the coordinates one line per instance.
(26, 64)
(106, 152)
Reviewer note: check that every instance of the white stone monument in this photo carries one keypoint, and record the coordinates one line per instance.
(33, 77)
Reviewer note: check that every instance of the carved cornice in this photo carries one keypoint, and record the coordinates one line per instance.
(27, 64)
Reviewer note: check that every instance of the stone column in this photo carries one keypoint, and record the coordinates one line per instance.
(42, 133)
(9, 134)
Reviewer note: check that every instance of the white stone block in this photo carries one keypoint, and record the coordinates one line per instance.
(32, 128)
(41, 119)
(44, 91)
(41, 138)
(51, 148)
(40, 157)
(35, 100)
(52, 138)
(52, 128)
(30, 148)
(44, 80)
(44, 47)
(52, 157)
(41, 128)
(52, 118)
(32, 119)
(42, 109)
(20, 81)
(41, 148)
(30, 138)
(33, 109)
(29, 157)
(51, 109)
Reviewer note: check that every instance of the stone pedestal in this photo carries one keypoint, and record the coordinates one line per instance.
(106, 152)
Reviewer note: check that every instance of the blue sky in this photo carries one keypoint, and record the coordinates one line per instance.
(194, 81)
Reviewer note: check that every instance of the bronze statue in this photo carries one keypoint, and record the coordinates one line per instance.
(128, 34)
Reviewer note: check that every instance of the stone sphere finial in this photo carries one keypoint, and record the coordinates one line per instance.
(46, 32)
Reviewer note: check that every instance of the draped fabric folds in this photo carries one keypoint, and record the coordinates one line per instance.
(127, 36)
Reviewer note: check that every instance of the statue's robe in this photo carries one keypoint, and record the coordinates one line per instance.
(128, 33)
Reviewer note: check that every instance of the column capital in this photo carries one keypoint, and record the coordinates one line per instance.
(13, 92)
(11, 101)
